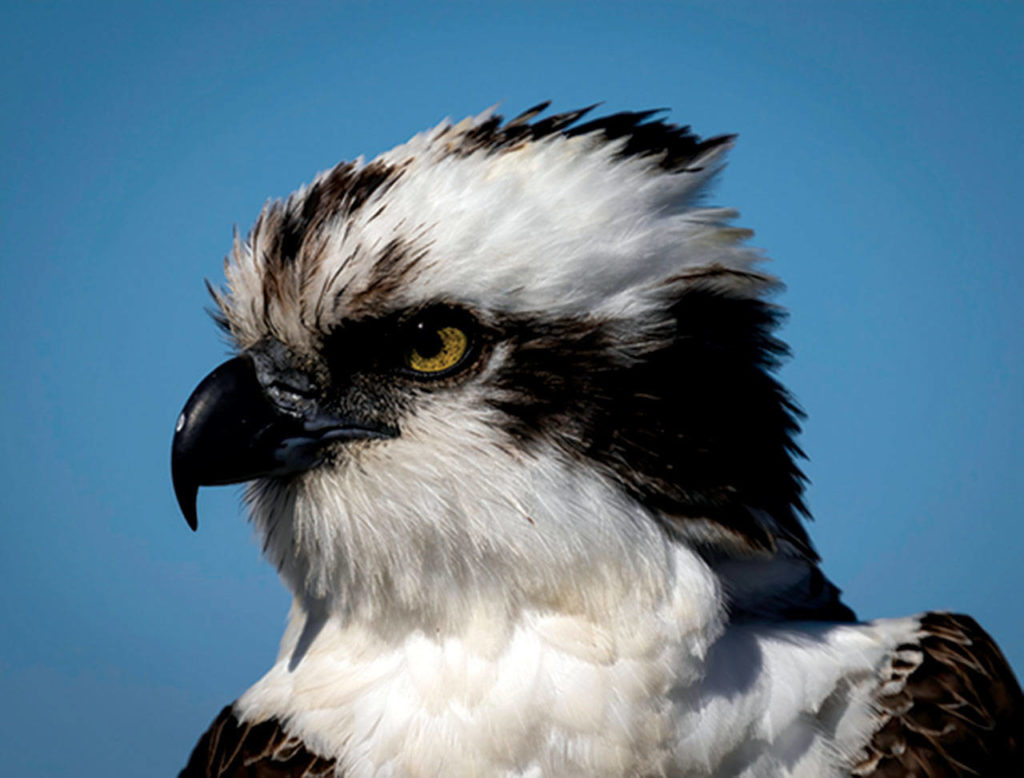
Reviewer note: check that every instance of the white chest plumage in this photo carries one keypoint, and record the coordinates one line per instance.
(666, 692)
(532, 693)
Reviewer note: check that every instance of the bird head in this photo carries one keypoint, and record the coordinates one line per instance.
(504, 356)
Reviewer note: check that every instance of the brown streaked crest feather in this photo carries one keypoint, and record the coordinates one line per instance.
(642, 134)
(294, 226)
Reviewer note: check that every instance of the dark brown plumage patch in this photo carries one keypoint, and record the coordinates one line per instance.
(338, 194)
(394, 268)
(291, 236)
(960, 712)
(230, 749)
(697, 429)
(644, 135)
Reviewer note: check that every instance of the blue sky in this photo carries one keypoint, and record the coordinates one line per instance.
(879, 163)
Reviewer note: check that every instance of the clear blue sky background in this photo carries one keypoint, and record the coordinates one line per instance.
(879, 162)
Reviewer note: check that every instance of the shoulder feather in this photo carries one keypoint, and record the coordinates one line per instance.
(232, 749)
(951, 707)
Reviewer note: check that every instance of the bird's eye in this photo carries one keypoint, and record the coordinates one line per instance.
(436, 347)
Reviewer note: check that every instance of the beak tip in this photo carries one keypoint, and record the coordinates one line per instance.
(186, 494)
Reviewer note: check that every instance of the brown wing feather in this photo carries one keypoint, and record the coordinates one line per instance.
(952, 707)
(231, 749)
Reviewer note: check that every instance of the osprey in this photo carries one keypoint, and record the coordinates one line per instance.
(504, 398)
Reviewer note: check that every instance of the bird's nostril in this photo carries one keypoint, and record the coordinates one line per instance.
(290, 398)
(285, 389)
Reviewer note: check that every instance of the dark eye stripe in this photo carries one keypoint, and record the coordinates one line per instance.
(429, 343)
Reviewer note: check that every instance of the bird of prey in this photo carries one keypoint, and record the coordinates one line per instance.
(505, 398)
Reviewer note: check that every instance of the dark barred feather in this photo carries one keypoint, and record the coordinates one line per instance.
(230, 749)
(960, 711)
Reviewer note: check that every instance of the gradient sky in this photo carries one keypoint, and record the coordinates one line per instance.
(879, 163)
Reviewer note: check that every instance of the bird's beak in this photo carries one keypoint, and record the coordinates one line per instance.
(232, 431)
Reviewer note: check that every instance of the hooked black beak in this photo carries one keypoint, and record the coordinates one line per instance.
(231, 431)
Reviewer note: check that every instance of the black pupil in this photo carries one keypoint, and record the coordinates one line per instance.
(426, 341)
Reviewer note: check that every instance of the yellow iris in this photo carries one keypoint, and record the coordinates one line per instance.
(444, 350)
